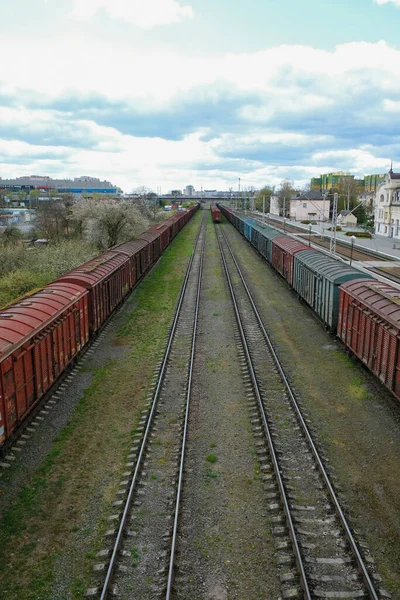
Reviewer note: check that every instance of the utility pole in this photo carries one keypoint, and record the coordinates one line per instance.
(332, 246)
(264, 207)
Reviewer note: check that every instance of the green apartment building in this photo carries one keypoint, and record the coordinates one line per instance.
(329, 181)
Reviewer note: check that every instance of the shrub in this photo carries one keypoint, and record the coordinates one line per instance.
(25, 269)
(359, 234)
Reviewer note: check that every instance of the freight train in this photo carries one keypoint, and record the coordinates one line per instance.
(42, 334)
(215, 214)
(362, 311)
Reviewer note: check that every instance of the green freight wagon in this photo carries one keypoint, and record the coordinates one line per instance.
(317, 278)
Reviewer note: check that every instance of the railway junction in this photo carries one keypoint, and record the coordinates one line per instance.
(216, 442)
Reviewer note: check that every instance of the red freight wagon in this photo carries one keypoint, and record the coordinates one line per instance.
(108, 277)
(369, 325)
(138, 254)
(215, 214)
(163, 230)
(283, 250)
(153, 237)
(39, 336)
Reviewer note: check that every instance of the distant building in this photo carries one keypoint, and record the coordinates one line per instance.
(309, 206)
(372, 182)
(189, 190)
(176, 193)
(79, 185)
(329, 181)
(346, 217)
(387, 206)
(274, 206)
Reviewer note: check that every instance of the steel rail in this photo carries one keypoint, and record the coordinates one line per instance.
(182, 461)
(334, 498)
(132, 487)
(285, 502)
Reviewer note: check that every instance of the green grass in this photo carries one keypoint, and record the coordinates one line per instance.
(211, 458)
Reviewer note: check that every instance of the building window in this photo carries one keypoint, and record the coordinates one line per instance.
(382, 198)
(304, 204)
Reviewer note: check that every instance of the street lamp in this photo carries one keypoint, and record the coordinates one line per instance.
(309, 234)
(353, 239)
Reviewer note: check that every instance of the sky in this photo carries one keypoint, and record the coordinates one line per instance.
(167, 93)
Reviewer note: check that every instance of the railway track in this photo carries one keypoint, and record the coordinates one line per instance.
(148, 502)
(316, 551)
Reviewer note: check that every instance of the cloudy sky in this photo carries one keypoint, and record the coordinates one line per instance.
(166, 93)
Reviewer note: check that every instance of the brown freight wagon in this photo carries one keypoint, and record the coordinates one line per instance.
(163, 230)
(369, 325)
(39, 336)
(283, 250)
(138, 254)
(215, 214)
(108, 278)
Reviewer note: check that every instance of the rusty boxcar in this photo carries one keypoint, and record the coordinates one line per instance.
(39, 336)
(369, 325)
(283, 250)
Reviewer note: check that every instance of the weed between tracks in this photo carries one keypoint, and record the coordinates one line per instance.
(52, 531)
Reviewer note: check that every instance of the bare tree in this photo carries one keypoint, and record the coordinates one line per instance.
(348, 190)
(109, 224)
(285, 192)
(54, 217)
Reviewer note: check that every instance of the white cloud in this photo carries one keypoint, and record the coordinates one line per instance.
(355, 82)
(145, 14)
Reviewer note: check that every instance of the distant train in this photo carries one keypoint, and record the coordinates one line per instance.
(42, 334)
(364, 312)
(215, 214)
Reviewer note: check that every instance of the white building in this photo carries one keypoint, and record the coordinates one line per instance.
(387, 206)
(189, 190)
(309, 206)
(274, 206)
(346, 217)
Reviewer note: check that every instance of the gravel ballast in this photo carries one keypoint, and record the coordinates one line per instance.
(225, 548)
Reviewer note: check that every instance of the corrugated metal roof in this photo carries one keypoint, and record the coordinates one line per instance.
(150, 236)
(381, 298)
(131, 247)
(329, 267)
(93, 271)
(290, 245)
(23, 319)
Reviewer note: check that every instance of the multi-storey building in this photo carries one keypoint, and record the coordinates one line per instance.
(387, 206)
(328, 181)
(79, 185)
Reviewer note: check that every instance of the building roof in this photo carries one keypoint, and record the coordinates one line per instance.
(394, 175)
(38, 181)
(312, 195)
(344, 213)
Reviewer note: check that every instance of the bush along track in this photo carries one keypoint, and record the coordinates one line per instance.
(52, 527)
